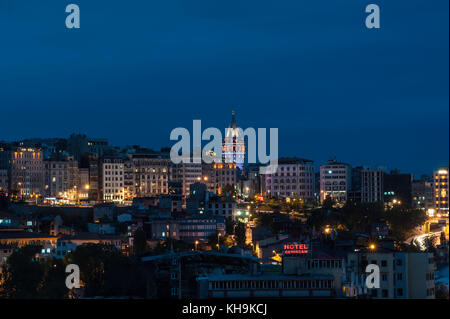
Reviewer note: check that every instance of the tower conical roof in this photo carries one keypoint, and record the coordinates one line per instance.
(233, 119)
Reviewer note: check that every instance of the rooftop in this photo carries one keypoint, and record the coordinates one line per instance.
(90, 236)
(198, 253)
(24, 235)
(263, 277)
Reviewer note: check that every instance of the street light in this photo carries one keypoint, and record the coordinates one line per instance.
(196, 244)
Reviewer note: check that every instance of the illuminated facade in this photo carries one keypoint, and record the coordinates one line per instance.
(294, 178)
(129, 180)
(3, 180)
(335, 181)
(372, 186)
(25, 168)
(219, 176)
(112, 173)
(152, 172)
(61, 178)
(233, 148)
(403, 275)
(440, 180)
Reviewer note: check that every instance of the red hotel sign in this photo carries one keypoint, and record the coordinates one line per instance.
(295, 249)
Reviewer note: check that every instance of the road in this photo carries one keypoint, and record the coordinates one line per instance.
(419, 240)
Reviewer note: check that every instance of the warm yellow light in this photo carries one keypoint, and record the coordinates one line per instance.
(86, 186)
(372, 246)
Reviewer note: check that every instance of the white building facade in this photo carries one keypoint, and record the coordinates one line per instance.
(294, 178)
(113, 180)
(335, 181)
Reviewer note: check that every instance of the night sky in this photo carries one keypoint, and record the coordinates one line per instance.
(137, 69)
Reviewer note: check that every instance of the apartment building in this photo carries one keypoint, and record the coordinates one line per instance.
(403, 275)
(61, 178)
(4, 181)
(112, 179)
(441, 197)
(335, 181)
(25, 170)
(217, 206)
(218, 176)
(200, 228)
(129, 180)
(152, 171)
(372, 186)
(397, 188)
(422, 194)
(294, 178)
(83, 184)
(188, 174)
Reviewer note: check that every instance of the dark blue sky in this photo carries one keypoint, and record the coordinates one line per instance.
(137, 69)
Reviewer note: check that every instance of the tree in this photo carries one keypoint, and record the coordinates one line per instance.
(229, 225)
(22, 274)
(264, 220)
(100, 267)
(430, 244)
(240, 234)
(53, 284)
(402, 222)
(328, 203)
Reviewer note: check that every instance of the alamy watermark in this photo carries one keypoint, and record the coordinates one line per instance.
(73, 18)
(373, 279)
(212, 152)
(73, 279)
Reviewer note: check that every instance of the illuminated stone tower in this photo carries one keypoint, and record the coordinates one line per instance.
(233, 149)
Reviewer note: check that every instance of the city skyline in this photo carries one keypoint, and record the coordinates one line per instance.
(331, 86)
(317, 162)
